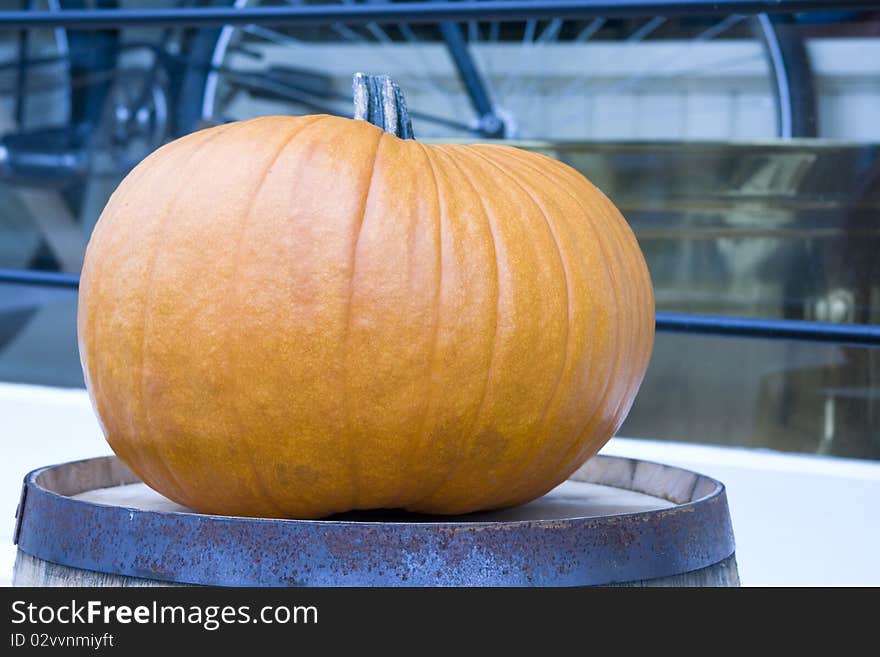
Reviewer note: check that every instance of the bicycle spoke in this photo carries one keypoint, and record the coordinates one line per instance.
(341, 29)
(631, 82)
(494, 31)
(529, 32)
(442, 120)
(423, 82)
(705, 35)
(264, 82)
(385, 42)
(347, 33)
(638, 36)
(530, 92)
(281, 82)
(634, 38)
(412, 39)
(646, 29)
(719, 27)
(551, 32)
(375, 29)
(686, 50)
(272, 36)
(380, 34)
(528, 38)
(592, 27)
(473, 32)
(583, 36)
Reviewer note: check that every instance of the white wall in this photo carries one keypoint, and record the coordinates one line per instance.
(38, 427)
(650, 90)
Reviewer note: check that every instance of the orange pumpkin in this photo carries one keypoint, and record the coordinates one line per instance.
(292, 317)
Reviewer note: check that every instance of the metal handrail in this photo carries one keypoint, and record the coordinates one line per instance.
(54, 279)
(411, 12)
(864, 335)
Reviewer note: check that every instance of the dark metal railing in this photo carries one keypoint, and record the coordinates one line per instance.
(39, 278)
(411, 12)
(865, 335)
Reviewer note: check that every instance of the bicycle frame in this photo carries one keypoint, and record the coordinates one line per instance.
(447, 14)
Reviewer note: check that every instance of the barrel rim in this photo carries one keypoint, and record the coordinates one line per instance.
(718, 490)
(577, 550)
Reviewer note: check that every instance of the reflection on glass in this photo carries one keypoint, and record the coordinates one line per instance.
(771, 230)
(793, 396)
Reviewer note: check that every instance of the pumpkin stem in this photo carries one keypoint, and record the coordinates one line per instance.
(381, 102)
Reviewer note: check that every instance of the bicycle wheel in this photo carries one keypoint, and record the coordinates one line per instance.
(735, 77)
(35, 91)
(79, 133)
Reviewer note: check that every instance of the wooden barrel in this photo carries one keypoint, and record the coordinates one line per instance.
(617, 521)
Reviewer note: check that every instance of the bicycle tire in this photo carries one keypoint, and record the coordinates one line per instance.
(794, 94)
(788, 62)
